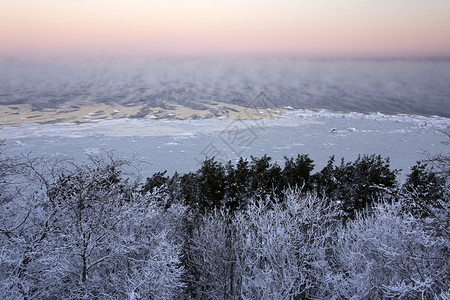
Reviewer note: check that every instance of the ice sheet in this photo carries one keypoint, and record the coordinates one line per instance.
(176, 145)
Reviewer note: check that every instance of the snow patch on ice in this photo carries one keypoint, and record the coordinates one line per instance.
(149, 127)
(423, 121)
(91, 151)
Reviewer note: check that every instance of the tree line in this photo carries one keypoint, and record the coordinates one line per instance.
(355, 186)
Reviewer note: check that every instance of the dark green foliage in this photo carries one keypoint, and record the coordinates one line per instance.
(265, 177)
(211, 183)
(158, 180)
(215, 185)
(237, 184)
(189, 190)
(325, 181)
(174, 189)
(423, 182)
(423, 188)
(298, 172)
(356, 185)
(205, 189)
(166, 187)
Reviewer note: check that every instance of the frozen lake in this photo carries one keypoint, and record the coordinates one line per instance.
(176, 145)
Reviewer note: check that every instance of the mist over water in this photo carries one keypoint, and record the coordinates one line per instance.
(400, 86)
(392, 86)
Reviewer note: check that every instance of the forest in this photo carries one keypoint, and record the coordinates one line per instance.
(250, 229)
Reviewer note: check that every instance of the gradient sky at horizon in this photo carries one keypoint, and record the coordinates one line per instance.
(295, 27)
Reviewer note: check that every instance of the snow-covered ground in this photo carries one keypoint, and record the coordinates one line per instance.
(176, 145)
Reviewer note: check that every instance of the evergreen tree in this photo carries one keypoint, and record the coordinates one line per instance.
(211, 183)
(237, 184)
(325, 181)
(298, 172)
(265, 176)
(423, 189)
(157, 180)
(356, 185)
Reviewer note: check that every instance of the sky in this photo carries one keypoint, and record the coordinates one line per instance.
(183, 27)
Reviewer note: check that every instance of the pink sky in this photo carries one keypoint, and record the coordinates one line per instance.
(301, 27)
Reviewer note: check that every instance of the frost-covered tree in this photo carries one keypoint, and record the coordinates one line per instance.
(270, 250)
(150, 265)
(428, 183)
(25, 224)
(422, 191)
(389, 254)
(285, 247)
(92, 231)
(211, 257)
(88, 234)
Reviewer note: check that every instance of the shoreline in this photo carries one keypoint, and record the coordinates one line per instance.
(13, 116)
(24, 114)
(180, 121)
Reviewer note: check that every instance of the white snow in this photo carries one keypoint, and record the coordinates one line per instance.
(404, 138)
